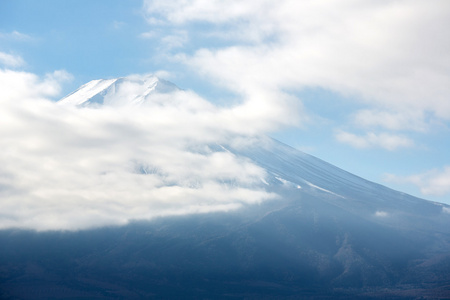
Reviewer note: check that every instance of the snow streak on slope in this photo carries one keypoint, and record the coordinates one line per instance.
(88, 92)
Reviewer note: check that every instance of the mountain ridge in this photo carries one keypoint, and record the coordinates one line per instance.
(95, 91)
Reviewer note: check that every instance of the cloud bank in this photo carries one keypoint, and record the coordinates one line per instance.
(69, 168)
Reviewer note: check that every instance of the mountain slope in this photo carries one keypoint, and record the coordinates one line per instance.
(328, 235)
(311, 176)
(289, 248)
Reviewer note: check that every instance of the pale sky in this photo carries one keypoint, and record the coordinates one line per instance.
(364, 85)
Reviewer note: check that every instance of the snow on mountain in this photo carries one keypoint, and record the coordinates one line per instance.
(118, 91)
(89, 92)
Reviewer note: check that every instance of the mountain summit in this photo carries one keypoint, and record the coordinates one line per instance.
(118, 91)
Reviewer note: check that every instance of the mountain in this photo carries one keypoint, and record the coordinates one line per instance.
(117, 91)
(328, 235)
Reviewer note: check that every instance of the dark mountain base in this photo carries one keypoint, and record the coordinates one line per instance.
(282, 249)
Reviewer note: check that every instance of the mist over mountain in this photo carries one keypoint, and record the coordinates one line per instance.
(150, 193)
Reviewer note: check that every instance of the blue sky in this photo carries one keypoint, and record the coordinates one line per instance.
(364, 86)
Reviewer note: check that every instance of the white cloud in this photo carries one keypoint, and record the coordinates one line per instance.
(372, 140)
(180, 11)
(396, 121)
(10, 60)
(176, 40)
(118, 24)
(15, 35)
(387, 55)
(148, 35)
(434, 182)
(70, 168)
(18, 85)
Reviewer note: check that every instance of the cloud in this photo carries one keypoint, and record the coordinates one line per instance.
(10, 60)
(372, 140)
(166, 43)
(180, 11)
(434, 182)
(18, 85)
(176, 40)
(386, 55)
(395, 121)
(68, 168)
(118, 24)
(15, 35)
(148, 35)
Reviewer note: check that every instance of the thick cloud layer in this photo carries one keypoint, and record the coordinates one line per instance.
(72, 168)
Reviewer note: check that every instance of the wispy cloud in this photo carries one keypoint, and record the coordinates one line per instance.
(166, 43)
(10, 60)
(176, 40)
(118, 24)
(434, 182)
(15, 35)
(148, 35)
(396, 121)
(374, 140)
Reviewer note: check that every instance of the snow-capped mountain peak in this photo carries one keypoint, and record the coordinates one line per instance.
(119, 91)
